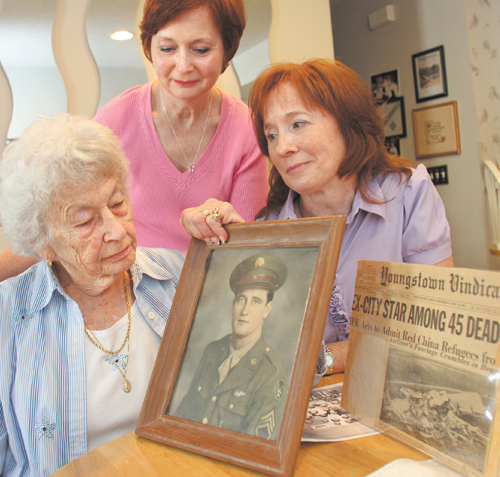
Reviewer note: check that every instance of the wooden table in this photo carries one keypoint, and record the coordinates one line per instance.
(130, 455)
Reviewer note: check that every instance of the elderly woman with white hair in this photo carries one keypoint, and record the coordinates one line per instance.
(80, 330)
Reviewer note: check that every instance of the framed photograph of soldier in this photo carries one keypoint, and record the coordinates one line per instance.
(236, 365)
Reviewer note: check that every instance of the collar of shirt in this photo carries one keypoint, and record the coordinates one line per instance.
(45, 282)
(233, 359)
(235, 355)
(288, 212)
(145, 265)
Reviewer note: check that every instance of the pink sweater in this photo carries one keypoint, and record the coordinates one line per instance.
(232, 168)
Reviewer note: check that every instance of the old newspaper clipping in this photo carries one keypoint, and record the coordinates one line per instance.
(424, 357)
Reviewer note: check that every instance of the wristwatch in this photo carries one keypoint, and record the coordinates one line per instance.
(329, 361)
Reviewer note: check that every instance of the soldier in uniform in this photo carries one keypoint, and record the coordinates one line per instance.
(240, 384)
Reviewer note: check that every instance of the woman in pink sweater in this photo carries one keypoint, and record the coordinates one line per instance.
(185, 139)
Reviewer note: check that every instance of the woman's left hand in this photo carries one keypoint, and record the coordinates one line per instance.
(205, 222)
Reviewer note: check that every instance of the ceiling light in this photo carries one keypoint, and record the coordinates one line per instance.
(122, 35)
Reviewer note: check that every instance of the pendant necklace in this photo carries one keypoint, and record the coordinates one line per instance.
(192, 163)
(126, 386)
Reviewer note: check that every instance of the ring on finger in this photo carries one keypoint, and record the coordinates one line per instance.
(205, 211)
(215, 214)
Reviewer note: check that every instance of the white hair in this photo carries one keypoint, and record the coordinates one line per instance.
(55, 156)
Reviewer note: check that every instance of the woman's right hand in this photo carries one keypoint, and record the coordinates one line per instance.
(203, 223)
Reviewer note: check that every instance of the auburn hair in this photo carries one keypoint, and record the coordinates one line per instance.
(228, 15)
(334, 88)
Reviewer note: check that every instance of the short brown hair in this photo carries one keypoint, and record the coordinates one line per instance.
(336, 89)
(228, 16)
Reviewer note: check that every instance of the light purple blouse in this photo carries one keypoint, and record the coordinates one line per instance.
(411, 226)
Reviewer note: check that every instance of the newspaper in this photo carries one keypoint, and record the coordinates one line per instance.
(327, 421)
(423, 360)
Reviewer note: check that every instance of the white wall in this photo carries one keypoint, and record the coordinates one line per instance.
(420, 25)
(116, 80)
(3, 240)
(34, 90)
(300, 30)
(483, 23)
(37, 90)
(252, 62)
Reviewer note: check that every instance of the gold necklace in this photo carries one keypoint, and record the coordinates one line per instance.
(126, 386)
(93, 338)
(190, 164)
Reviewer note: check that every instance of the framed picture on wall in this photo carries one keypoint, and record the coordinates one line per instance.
(395, 122)
(236, 364)
(392, 145)
(429, 74)
(385, 86)
(436, 130)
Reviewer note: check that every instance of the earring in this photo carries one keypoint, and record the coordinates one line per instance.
(49, 262)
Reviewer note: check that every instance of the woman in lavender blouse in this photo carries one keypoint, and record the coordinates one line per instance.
(319, 124)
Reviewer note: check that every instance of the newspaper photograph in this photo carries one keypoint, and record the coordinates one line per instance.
(423, 360)
(327, 421)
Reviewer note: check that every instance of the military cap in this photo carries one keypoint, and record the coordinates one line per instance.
(262, 270)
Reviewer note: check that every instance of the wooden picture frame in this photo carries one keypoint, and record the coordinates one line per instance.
(395, 118)
(436, 130)
(429, 74)
(310, 250)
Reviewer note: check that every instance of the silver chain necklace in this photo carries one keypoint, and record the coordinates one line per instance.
(190, 164)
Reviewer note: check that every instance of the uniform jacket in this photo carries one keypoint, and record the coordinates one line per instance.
(250, 400)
